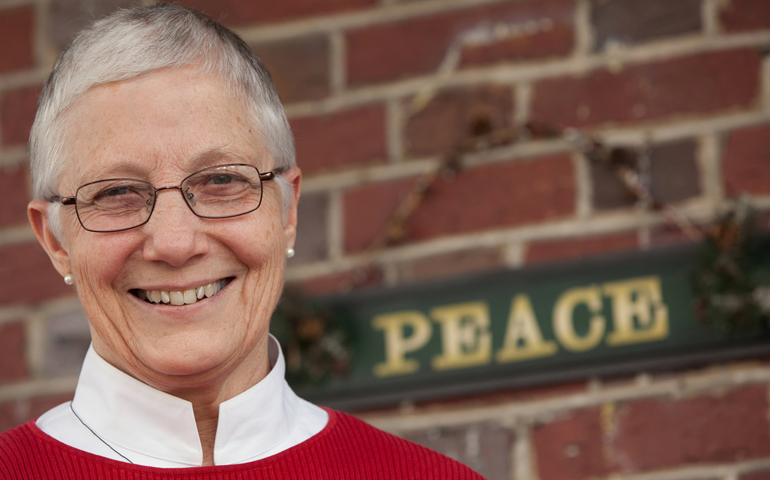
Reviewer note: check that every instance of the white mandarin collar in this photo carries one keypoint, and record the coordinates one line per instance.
(135, 417)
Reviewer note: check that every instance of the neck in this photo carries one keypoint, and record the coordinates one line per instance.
(206, 394)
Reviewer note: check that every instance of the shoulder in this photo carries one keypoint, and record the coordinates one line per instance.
(369, 448)
(18, 447)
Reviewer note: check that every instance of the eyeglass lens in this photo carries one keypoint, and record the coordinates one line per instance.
(216, 192)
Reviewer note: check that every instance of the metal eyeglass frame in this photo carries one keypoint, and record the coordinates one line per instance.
(263, 177)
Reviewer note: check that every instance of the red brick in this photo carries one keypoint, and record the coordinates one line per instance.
(634, 21)
(570, 448)
(17, 412)
(341, 139)
(17, 112)
(670, 234)
(448, 120)
(491, 196)
(760, 475)
(13, 363)
(40, 405)
(8, 416)
(239, 12)
(13, 184)
(16, 39)
(742, 15)
(26, 275)
(656, 434)
(552, 250)
(697, 84)
(368, 209)
(453, 264)
(417, 46)
(299, 67)
(342, 282)
(745, 165)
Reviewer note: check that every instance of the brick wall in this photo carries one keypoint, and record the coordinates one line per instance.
(378, 92)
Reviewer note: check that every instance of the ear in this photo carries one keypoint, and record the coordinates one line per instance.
(294, 177)
(37, 211)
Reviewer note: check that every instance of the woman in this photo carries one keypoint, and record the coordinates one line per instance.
(166, 192)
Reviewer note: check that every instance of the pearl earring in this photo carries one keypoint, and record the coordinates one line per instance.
(69, 279)
(289, 252)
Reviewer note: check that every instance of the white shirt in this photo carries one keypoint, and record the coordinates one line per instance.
(152, 428)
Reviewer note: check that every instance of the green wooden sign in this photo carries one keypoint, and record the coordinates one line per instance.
(613, 315)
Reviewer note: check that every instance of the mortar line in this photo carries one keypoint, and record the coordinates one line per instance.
(584, 34)
(530, 72)
(337, 62)
(354, 20)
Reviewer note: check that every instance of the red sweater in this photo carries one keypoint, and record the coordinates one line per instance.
(346, 448)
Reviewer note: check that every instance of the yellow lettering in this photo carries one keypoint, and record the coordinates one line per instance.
(640, 299)
(397, 345)
(465, 336)
(523, 327)
(563, 321)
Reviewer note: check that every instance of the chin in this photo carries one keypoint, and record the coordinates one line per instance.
(189, 357)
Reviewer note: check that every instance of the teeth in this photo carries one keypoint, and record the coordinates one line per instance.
(176, 298)
(186, 297)
(189, 297)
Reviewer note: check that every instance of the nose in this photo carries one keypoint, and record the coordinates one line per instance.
(173, 233)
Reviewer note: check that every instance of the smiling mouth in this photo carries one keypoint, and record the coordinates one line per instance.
(184, 297)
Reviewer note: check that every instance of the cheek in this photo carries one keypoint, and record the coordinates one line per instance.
(99, 260)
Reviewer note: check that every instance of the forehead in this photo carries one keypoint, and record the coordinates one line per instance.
(165, 123)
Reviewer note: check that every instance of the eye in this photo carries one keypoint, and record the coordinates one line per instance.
(115, 191)
(221, 179)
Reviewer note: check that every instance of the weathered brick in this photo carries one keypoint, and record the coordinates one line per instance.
(674, 171)
(634, 21)
(17, 39)
(498, 195)
(13, 362)
(299, 67)
(311, 228)
(67, 341)
(342, 282)
(571, 447)
(8, 415)
(17, 112)
(68, 17)
(16, 412)
(656, 434)
(531, 29)
(554, 250)
(697, 84)
(742, 15)
(758, 475)
(368, 209)
(744, 165)
(483, 447)
(453, 264)
(450, 118)
(669, 234)
(340, 139)
(609, 192)
(13, 184)
(26, 275)
(238, 12)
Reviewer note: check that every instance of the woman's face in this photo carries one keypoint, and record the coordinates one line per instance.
(162, 127)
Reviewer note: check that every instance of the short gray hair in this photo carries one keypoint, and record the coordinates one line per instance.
(135, 41)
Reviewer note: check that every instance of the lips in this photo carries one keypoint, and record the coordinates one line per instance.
(181, 297)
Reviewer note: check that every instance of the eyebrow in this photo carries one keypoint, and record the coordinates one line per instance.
(208, 158)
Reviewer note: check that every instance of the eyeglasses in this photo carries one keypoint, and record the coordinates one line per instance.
(120, 204)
